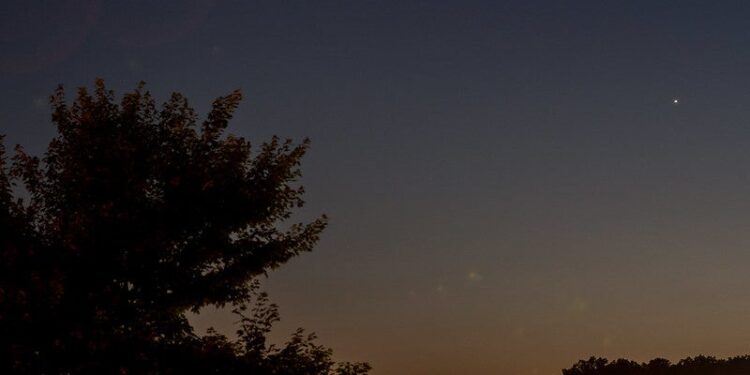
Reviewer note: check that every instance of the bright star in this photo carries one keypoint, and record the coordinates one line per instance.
(675, 101)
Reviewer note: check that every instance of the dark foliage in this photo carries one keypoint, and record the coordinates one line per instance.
(700, 365)
(134, 216)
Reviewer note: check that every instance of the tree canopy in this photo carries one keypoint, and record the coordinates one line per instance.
(699, 365)
(135, 215)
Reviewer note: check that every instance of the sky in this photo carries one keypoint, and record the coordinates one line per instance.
(510, 185)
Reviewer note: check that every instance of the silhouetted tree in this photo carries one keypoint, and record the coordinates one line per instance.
(658, 366)
(700, 365)
(134, 216)
(591, 366)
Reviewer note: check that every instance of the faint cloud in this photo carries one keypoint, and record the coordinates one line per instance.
(578, 305)
(440, 290)
(40, 102)
(607, 341)
(135, 65)
(154, 29)
(474, 276)
(35, 37)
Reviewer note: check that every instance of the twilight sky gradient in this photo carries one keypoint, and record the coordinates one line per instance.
(510, 186)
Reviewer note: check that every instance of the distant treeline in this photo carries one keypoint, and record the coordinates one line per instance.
(700, 365)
